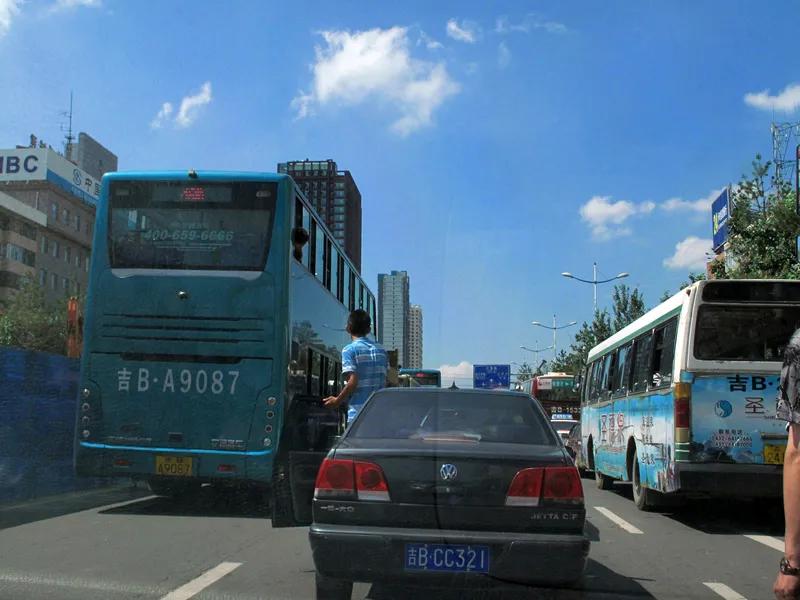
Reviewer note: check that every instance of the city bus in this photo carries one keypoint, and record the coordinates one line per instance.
(681, 402)
(214, 327)
(557, 394)
(423, 377)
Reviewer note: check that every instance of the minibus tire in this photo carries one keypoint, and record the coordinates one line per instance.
(603, 482)
(644, 498)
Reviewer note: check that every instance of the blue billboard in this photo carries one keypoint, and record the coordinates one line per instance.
(720, 211)
(491, 377)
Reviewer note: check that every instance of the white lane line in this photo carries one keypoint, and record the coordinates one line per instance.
(618, 520)
(723, 590)
(768, 540)
(195, 586)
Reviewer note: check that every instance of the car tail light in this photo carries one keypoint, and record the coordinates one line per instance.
(335, 479)
(348, 479)
(536, 486)
(562, 484)
(525, 488)
(370, 482)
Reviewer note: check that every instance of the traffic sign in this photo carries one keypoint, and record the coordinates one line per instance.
(491, 377)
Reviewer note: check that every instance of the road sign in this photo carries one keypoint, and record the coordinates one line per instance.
(491, 377)
(720, 210)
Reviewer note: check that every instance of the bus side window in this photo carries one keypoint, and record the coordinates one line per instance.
(351, 297)
(663, 354)
(604, 377)
(302, 218)
(312, 244)
(333, 275)
(326, 275)
(597, 376)
(641, 374)
(612, 373)
(314, 372)
(586, 384)
(622, 373)
(319, 264)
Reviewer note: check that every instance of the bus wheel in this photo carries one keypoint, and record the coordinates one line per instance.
(644, 498)
(603, 482)
(282, 506)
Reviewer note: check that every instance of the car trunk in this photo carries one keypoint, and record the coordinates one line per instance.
(455, 485)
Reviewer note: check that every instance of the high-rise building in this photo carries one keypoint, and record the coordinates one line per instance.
(336, 198)
(47, 211)
(415, 337)
(393, 313)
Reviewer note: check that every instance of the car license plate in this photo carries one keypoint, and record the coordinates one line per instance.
(454, 558)
(773, 454)
(174, 466)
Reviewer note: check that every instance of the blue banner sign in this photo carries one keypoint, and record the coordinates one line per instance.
(720, 211)
(491, 377)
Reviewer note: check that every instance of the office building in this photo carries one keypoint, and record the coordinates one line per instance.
(415, 337)
(47, 211)
(335, 196)
(393, 309)
(92, 157)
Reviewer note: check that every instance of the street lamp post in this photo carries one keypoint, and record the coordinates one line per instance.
(554, 329)
(535, 351)
(594, 281)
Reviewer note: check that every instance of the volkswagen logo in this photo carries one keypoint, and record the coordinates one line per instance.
(448, 472)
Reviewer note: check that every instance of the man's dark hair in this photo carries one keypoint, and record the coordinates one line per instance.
(359, 323)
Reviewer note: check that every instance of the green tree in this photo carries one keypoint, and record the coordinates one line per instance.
(588, 336)
(628, 305)
(563, 362)
(524, 372)
(29, 321)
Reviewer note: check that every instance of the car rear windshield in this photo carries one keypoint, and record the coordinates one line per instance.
(190, 225)
(451, 416)
(751, 333)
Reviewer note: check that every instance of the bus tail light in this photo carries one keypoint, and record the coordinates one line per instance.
(122, 462)
(226, 468)
(683, 413)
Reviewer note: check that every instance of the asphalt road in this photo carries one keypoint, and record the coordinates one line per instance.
(124, 543)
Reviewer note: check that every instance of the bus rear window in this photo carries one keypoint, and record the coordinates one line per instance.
(751, 333)
(190, 225)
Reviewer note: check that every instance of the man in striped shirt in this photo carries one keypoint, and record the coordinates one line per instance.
(364, 364)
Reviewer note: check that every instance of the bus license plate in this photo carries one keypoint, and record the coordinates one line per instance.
(174, 466)
(773, 454)
(454, 558)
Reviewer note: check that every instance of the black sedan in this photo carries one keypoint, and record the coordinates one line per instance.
(444, 486)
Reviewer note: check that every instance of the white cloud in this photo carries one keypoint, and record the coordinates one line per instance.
(376, 64)
(689, 254)
(162, 116)
(529, 23)
(787, 101)
(503, 55)
(191, 105)
(460, 373)
(76, 3)
(8, 10)
(607, 219)
(430, 43)
(465, 32)
(701, 205)
(188, 111)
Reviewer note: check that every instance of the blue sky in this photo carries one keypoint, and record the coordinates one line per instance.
(495, 144)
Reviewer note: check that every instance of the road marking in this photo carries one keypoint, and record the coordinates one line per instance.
(197, 585)
(768, 540)
(618, 520)
(723, 590)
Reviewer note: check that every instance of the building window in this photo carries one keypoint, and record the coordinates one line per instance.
(86, 263)
(78, 260)
(67, 254)
(54, 211)
(42, 277)
(43, 248)
(55, 248)
(66, 216)
(65, 284)
(77, 222)
(53, 280)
